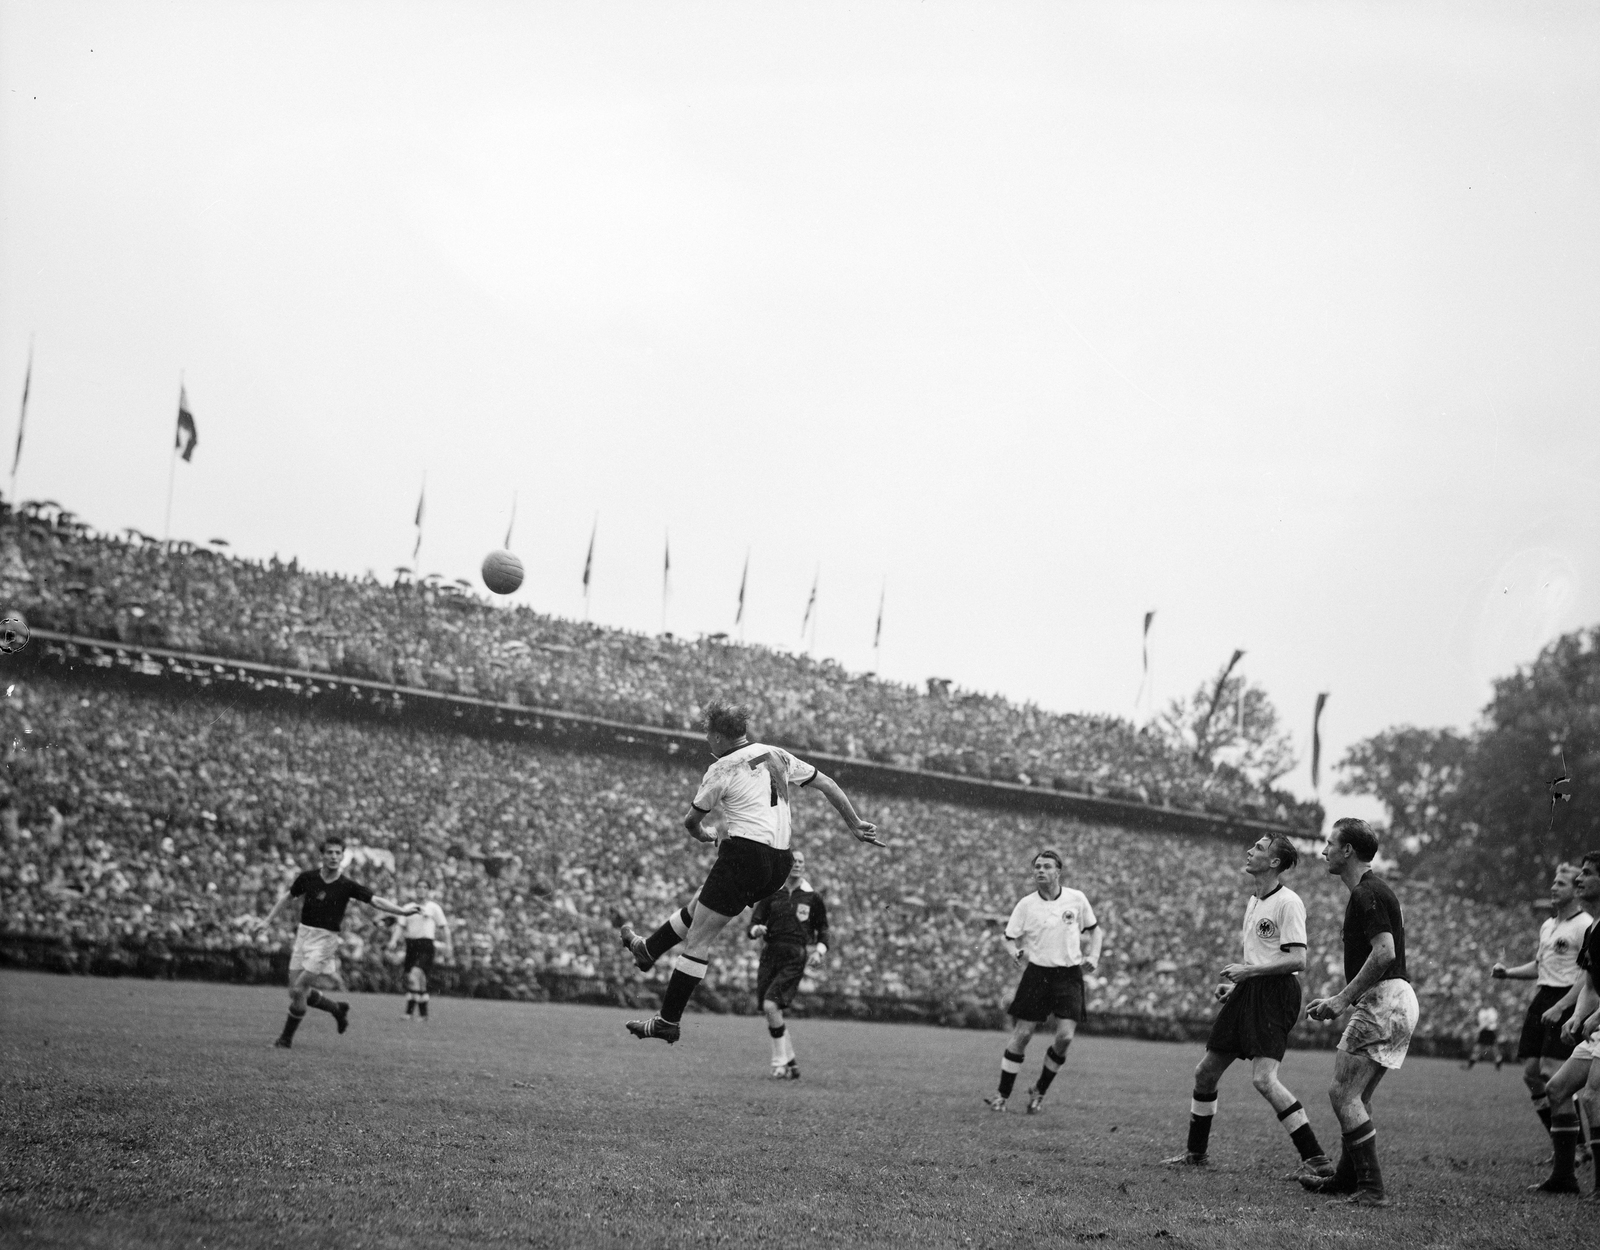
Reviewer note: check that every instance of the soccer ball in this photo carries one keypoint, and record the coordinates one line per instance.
(502, 572)
(14, 633)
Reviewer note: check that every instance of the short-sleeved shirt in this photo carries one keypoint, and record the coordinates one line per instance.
(1373, 909)
(1272, 925)
(1048, 929)
(325, 901)
(749, 789)
(426, 923)
(1559, 944)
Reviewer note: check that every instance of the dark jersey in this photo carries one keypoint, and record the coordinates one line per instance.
(325, 901)
(1589, 956)
(793, 917)
(1373, 909)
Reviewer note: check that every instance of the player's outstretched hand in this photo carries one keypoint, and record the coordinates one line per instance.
(866, 831)
(1498, 972)
(413, 908)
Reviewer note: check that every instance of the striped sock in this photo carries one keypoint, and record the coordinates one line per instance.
(1565, 1134)
(1010, 1065)
(1202, 1110)
(672, 931)
(1052, 1064)
(687, 973)
(1361, 1149)
(1301, 1133)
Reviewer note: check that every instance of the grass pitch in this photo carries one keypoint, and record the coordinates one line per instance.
(142, 1113)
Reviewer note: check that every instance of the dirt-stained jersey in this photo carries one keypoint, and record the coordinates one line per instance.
(748, 790)
(1272, 925)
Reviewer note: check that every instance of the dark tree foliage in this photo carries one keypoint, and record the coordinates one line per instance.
(1476, 812)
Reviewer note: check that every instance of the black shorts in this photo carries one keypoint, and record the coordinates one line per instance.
(778, 978)
(1255, 1020)
(1045, 992)
(1486, 1037)
(1540, 1040)
(745, 872)
(419, 954)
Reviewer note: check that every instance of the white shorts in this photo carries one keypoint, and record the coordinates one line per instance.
(1381, 1026)
(315, 951)
(1588, 1048)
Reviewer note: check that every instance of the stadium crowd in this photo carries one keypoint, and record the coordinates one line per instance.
(159, 817)
(430, 634)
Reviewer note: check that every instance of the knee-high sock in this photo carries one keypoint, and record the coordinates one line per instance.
(1010, 1065)
(1053, 1059)
(1565, 1134)
(292, 1023)
(422, 1005)
(1541, 1107)
(1361, 1148)
(671, 932)
(687, 973)
(411, 1002)
(1202, 1110)
(779, 1036)
(321, 1002)
(1301, 1133)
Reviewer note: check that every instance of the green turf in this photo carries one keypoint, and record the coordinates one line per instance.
(142, 1113)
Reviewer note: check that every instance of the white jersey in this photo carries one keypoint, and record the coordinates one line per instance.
(748, 789)
(1049, 929)
(1272, 925)
(1488, 1018)
(1559, 944)
(426, 923)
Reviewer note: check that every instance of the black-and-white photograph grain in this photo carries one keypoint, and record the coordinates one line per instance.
(947, 624)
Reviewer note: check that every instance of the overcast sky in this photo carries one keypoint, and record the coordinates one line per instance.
(1281, 320)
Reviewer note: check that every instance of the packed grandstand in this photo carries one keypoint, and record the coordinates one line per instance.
(155, 816)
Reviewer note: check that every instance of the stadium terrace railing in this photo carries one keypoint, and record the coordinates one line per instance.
(141, 665)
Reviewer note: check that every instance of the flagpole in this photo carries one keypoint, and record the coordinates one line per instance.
(22, 418)
(666, 573)
(172, 469)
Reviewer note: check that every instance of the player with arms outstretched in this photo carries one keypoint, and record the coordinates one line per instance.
(1260, 1005)
(1045, 935)
(314, 964)
(748, 789)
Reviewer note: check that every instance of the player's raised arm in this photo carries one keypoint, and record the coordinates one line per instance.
(1522, 972)
(863, 830)
(283, 901)
(392, 907)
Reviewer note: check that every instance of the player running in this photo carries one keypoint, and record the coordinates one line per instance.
(325, 892)
(419, 932)
(748, 788)
(1555, 967)
(1379, 1033)
(1260, 1005)
(1045, 934)
(1579, 1075)
(790, 921)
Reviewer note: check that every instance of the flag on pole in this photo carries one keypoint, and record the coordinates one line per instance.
(421, 496)
(738, 617)
(810, 603)
(511, 523)
(1316, 742)
(588, 560)
(22, 420)
(666, 561)
(877, 630)
(1148, 617)
(1216, 697)
(185, 425)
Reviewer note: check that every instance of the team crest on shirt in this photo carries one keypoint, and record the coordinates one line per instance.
(802, 912)
(1267, 929)
(1561, 946)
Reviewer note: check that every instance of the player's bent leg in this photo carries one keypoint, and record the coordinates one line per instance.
(1011, 1062)
(1292, 1115)
(1355, 1077)
(300, 982)
(779, 1033)
(687, 973)
(1565, 1131)
(1054, 1058)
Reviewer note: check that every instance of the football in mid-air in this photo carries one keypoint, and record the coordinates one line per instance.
(502, 572)
(14, 632)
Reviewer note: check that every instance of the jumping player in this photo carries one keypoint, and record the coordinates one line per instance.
(748, 786)
(419, 932)
(1260, 1005)
(1044, 934)
(1379, 1033)
(790, 921)
(1555, 968)
(315, 959)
